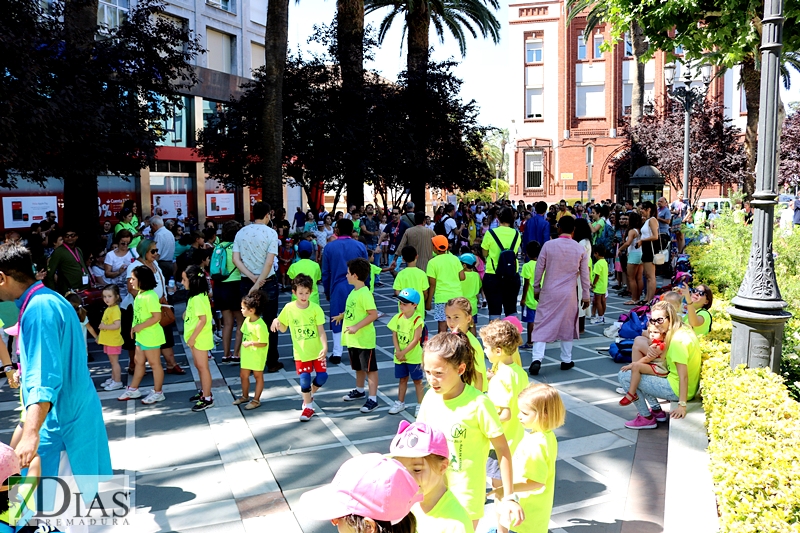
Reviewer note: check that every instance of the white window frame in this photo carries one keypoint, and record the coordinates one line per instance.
(227, 52)
(532, 113)
(628, 43)
(586, 113)
(534, 163)
(110, 13)
(581, 48)
(534, 46)
(597, 42)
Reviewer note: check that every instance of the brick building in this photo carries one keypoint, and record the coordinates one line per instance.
(571, 98)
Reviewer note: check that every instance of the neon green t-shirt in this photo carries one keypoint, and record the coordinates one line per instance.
(374, 270)
(468, 421)
(413, 278)
(254, 357)
(470, 288)
(144, 305)
(447, 516)
(359, 303)
(405, 328)
(684, 348)
(111, 337)
(196, 307)
(703, 328)
(601, 224)
(529, 272)
(311, 269)
(504, 388)
(600, 269)
(506, 235)
(304, 325)
(445, 269)
(480, 359)
(535, 460)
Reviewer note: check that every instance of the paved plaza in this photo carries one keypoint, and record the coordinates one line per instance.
(231, 470)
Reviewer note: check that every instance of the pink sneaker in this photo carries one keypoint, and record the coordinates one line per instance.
(641, 422)
(660, 414)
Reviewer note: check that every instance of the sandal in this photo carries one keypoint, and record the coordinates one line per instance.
(628, 399)
(252, 405)
(240, 400)
(177, 370)
(630, 302)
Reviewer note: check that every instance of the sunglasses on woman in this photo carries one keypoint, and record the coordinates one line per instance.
(699, 292)
(658, 321)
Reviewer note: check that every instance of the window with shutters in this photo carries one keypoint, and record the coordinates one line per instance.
(534, 169)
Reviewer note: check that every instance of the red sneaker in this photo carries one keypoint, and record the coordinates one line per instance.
(306, 415)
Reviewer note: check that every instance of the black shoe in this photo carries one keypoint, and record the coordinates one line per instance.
(567, 366)
(617, 287)
(196, 396)
(334, 360)
(202, 404)
(534, 369)
(273, 369)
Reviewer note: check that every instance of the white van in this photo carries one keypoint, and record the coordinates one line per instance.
(720, 204)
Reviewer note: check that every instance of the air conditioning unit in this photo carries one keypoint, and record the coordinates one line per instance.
(215, 3)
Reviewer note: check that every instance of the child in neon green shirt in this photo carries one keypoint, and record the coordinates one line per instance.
(528, 301)
(308, 267)
(471, 286)
(255, 344)
(599, 283)
(412, 277)
(197, 322)
(305, 320)
(406, 328)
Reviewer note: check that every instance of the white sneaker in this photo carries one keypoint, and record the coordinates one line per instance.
(107, 382)
(620, 390)
(397, 407)
(114, 385)
(154, 397)
(130, 394)
(217, 339)
(601, 320)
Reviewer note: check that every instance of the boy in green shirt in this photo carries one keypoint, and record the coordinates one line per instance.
(358, 333)
(308, 267)
(528, 301)
(599, 283)
(406, 328)
(306, 321)
(412, 277)
(471, 286)
(445, 275)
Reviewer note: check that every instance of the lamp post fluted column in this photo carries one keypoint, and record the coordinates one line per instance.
(758, 311)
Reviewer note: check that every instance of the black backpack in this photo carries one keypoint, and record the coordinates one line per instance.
(440, 229)
(507, 262)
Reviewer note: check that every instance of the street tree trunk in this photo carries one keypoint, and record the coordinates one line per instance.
(751, 81)
(639, 46)
(350, 40)
(275, 45)
(418, 21)
(80, 187)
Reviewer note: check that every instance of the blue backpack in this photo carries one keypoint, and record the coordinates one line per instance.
(622, 351)
(606, 238)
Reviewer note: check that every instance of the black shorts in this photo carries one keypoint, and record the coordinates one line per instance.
(363, 359)
(126, 323)
(623, 260)
(664, 239)
(228, 296)
(169, 336)
(648, 251)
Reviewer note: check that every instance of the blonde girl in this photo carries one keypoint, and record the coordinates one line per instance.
(540, 411)
(423, 451)
(502, 340)
(458, 313)
(469, 421)
(198, 332)
(110, 337)
(148, 334)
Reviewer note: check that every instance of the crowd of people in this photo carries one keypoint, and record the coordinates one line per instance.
(536, 267)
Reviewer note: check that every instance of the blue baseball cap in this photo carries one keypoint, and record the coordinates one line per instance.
(409, 296)
(468, 259)
(305, 246)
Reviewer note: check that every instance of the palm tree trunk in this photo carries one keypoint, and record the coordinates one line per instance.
(751, 81)
(275, 46)
(350, 40)
(418, 21)
(639, 46)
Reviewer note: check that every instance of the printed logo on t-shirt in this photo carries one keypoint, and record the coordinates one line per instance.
(349, 310)
(458, 434)
(303, 332)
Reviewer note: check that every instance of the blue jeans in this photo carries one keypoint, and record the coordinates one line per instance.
(650, 388)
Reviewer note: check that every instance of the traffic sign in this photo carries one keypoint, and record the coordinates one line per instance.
(566, 176)
(582, 186)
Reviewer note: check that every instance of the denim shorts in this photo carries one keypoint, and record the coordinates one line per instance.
(404, 370)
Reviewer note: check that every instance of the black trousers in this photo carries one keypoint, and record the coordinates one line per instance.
(501, 294)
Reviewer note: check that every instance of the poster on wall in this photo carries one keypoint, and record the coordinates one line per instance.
(220, 204)
(110, 204)
(22, 211)
(167, 205)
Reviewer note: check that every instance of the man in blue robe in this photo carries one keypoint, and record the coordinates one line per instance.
(335, 256)
(537, 228)
(63, 415)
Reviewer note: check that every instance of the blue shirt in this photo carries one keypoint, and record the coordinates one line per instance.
(537, 229)
(54, 370)
(335, 256)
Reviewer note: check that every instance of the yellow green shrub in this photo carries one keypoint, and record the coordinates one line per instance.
(754, 439)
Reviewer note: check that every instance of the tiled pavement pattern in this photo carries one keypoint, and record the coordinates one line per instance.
(231, 470)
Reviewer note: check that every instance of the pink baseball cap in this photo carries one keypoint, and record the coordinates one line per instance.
(418, 440)
(370, 485)
(9, 462)
(515, 322)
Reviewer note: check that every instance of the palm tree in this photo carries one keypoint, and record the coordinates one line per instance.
(350, 51)
(459, 17)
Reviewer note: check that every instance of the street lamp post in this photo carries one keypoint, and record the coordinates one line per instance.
(758, 313)
(687, 96)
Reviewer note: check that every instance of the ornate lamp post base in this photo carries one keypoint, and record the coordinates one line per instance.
(757, 338)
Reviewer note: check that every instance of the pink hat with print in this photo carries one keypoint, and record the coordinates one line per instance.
(9, 462)
(370, 485)
(418, 440)
(515, 322)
